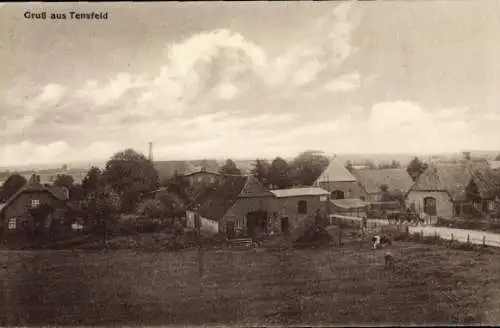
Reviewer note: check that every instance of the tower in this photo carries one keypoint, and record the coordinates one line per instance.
(150, 151)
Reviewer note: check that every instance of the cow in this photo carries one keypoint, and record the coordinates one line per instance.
(389, 260)
(380, 241)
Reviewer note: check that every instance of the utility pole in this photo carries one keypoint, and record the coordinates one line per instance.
(197, 222)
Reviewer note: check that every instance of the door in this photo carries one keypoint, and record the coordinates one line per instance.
(285, 225)
(430, 206)
(230, 230)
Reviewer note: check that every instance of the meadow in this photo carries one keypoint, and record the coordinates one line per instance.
(336, 286)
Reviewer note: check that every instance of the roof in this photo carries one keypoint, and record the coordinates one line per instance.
(453, 178)
(167, 169)
(217, 202)
(495, 165)
(395, 179)
(349, 203)
(32, 186)
(335, 172)
(295, 192)
(199, 170)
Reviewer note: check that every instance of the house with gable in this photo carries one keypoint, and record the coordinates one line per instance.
(455, 189)
(239, 205)
(33, 210)
(339, 182)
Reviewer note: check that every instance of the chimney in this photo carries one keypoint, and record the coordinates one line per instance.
(150, 151)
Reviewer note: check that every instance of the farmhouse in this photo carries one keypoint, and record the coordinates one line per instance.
(34, 208)
(168, 169)
(339, 182)
(460, 189)
(292, 207)
(372, 182)
(201, 176)
(238, 206)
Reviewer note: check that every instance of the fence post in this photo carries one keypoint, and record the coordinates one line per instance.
(451, 237)
(468, 238)
(484, 241)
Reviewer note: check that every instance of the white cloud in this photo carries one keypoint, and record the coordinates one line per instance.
(344, 83)
(197, 74)
(227, 90)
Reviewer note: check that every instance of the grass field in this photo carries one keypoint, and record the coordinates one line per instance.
(343, 286)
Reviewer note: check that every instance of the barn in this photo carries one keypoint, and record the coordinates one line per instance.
(339, 182)
(239, 206)
(455, 190)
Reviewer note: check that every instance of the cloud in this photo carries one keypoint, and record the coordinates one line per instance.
(344, 83)
(205, 73)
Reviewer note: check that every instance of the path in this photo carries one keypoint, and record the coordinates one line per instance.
(461, 235)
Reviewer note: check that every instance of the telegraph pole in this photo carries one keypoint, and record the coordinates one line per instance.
(197, 222)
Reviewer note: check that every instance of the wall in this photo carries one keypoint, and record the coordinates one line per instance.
(237, 213)
(351, 189)
(207, 226)
(202, 178)
(288, 207)
(444, 205)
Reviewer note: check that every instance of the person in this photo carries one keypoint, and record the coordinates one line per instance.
(376, 241)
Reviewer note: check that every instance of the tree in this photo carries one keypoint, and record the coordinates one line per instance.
(467, 155)
(260, 170)
(92, 180)
(101, 207)
(76, 193)
(416, 168)
(229, 168)
(152, 208)
(64, 180)
(370, 165)
(279, 174)
(497, 158)
(308, 166)
(131, 175)
(12, 185)
(395, 164)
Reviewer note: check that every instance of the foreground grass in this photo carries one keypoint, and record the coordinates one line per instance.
(343, 286)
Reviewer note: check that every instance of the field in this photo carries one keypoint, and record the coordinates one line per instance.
(341, 286)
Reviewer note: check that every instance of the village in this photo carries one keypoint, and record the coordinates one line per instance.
(267, 202)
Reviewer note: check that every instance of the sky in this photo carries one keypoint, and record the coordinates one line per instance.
(248, 79)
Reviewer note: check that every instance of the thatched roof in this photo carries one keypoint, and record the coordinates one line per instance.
(395, 179)
(217, 202)
(34, 185)
(454, 178)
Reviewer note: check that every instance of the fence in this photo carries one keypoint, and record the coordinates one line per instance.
(460, 235)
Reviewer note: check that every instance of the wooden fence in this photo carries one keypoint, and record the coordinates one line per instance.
(460, 235)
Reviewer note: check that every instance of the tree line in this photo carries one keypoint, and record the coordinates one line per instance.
(303, 170)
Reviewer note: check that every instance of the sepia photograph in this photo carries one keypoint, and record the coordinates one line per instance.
(250, 163)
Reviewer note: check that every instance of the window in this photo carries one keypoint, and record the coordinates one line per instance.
(338, 194)
(458, 208)
(302, 207)
(430, 206)
(35, 202)
(323, 198)
(12, 224)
